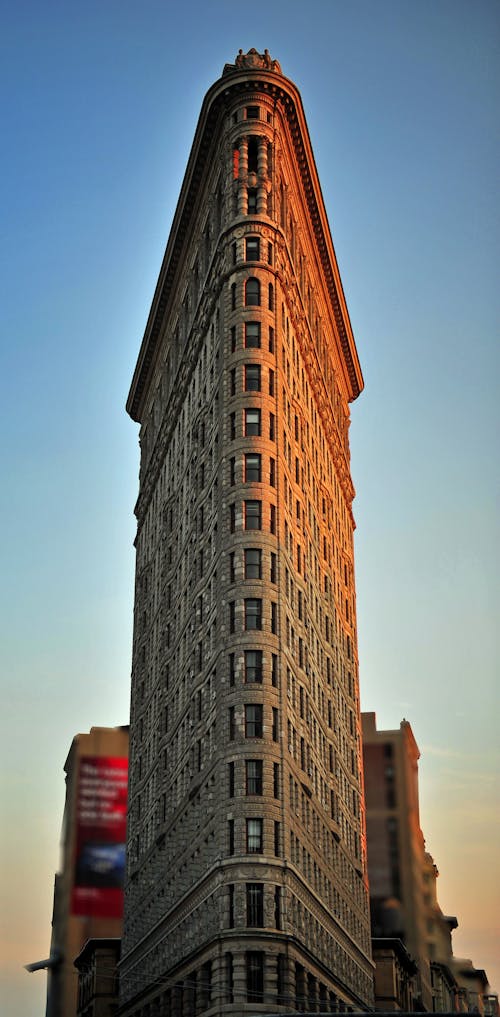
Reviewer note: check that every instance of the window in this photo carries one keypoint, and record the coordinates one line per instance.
(253, 515)
(252, 422)
(230, 978)
(231, 724)
(272, 427)
(252, 200)
(232, 573)
(276, 732)
(254, 836)
(232, 381)
(272, 519)
(269, 253)
(230, 836)
(231, 669)
(233, 296)
(272, 472)
(252, 377)
(271, 382)
(253, 155)
(253, 614)
(277, 891)
(253, 563)
(253, 468)
(231, 905)
(252, 292)
(253, 720)
(232, 615)
(271, 339)
(255, 905)
(274, 618)
(232, 426)
(252, 335)
(253, 666)
(276, 780)
(232, 471)
(233, 339)
(253, 771)
(252, 249)
(271, 297)
(273, 568)
(255, 976)
(232, 517)
(253, 113)
(274, 670)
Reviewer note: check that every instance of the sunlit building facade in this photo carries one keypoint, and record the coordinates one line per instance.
(246, 884)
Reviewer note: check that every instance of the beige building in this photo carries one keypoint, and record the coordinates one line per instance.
(246, 873)
(88, 889)
(397, 864)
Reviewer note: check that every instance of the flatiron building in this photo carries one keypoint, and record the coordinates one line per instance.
(246, 886)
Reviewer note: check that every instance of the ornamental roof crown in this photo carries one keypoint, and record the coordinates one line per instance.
(252, 60)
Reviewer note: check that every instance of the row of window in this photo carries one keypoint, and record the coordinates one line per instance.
(254, 669)
(254, 777)
(251, 379)
(252, 337)
(254, 722)
(252, 294)
(252, 515)
(252, 469)
(254, 837)
(253, 565)
(252, 424)
(253, 615)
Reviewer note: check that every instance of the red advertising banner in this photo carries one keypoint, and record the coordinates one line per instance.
(101, 826)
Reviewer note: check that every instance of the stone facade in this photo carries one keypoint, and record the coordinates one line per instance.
(246, 884)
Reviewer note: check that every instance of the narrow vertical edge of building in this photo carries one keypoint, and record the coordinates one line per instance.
(246, 885)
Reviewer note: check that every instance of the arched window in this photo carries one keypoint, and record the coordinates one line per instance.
(252, 292)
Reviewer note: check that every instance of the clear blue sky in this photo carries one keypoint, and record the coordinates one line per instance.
(100, 102)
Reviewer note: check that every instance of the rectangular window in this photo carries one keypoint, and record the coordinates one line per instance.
(254, 836)
(272, 518)
(252, 335)
(232, 471)
(274, 670)
(253, 720)
(272, 472)
(253, 770)
(253, 666)
(232, 381)
(274, 618)
(232, 426)
(253, 112)
(277, 892)
(233, 296)
(230, 836)
(273, 568)
(232, 517)
(269, 253)
(231, 669)
(231, 905)
(253, 468)
(232, 615)
(252, 200)
(231, 724)
(253, 614)
(233, 339)
(255, 976)
(272, 427)
(253, 515)
(255, 905)
(253, 563)
(252, 377)
(271, 339)
(271, 382)
(252, 249)
(276, 780)
(276, 725)
(252, 422)
(232, 573)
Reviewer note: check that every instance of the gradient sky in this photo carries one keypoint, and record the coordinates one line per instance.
(100, 103)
